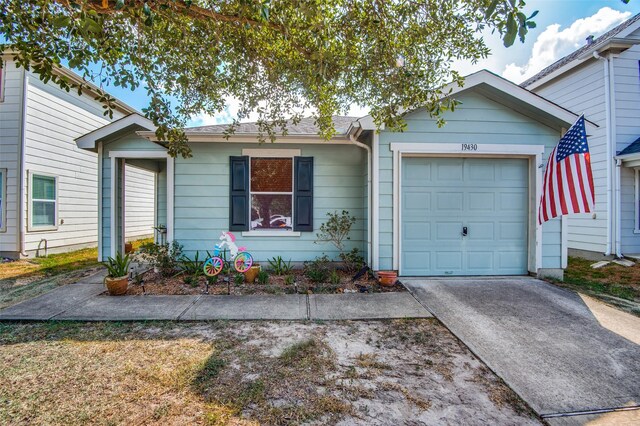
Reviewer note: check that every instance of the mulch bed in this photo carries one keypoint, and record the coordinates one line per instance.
(154, 283)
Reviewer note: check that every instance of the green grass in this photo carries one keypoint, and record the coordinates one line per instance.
(613, 280)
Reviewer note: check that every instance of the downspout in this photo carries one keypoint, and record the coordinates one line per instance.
(370, 198)
(23, 165)
(607, 102)
(614, 148)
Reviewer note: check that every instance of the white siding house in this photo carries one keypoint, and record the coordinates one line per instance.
(49, 192)
(602, 80)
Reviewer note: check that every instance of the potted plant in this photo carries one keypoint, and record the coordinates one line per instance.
(117, 279)
(252, 273)
(387, 278)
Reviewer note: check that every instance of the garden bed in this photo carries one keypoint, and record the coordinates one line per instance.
(155, 283)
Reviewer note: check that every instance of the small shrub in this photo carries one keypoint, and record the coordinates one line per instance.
(334, 277)
(263, 277)
(238, 279)
(289, 279)
(212, 279)
(336, 229)
(318, 269)
(279, 266)
(162, 256)
(352, 261)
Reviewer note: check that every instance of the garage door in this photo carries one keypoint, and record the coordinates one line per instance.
(445, 198)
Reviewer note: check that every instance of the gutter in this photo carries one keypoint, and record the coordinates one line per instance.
(609, 132)
(367, 148)
(22, 187)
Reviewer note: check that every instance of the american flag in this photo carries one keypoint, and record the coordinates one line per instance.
(568, 182)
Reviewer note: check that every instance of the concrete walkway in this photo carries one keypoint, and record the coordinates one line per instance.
(82, 302)
(543, 341)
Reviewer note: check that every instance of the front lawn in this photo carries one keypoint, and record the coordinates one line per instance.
(247, 373)
(27, 278)
(613, 283)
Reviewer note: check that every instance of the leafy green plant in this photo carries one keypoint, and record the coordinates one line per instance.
(334, 277)
(211, 280)
(118, 267)
(162, 256)
(318, 269)
(263, 277)
(336, 229)
(191, 280)
(238, 279)
(279, 266)
(193, 266)
(352, 261)
(289, 279)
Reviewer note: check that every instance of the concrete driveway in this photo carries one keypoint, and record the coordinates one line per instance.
(543, 341)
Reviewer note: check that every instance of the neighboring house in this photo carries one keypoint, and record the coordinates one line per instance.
(456, 200)
(48, 196)
(602, 80)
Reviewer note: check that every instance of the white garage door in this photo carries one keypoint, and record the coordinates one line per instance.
(464, 216)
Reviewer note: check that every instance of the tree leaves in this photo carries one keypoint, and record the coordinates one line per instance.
(277, 60)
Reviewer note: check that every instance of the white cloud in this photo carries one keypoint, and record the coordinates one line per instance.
(553, 43)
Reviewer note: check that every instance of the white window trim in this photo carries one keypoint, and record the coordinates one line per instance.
(30, 226)
(636, 209)
(3, 197)
(272, 153)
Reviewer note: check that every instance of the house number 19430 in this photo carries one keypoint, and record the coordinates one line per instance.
(469, 146)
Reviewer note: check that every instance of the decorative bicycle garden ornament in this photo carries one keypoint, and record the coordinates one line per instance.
(240, 258)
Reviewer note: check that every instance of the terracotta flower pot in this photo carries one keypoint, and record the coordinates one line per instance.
(251, 275)
(117, 286)
(387, 278)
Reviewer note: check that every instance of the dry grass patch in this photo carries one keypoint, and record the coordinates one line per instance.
(246, 373)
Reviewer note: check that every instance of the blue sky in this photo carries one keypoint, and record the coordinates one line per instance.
(562, 26)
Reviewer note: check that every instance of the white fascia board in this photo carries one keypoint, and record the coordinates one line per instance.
(89, 140)
(253, 139)
(509, 89)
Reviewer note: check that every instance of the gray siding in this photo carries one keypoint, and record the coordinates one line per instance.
(582, 91)
(478, 120)
(139, 202)
(627, 84)
(10, 118)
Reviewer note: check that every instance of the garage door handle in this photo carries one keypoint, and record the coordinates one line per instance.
(465, 231)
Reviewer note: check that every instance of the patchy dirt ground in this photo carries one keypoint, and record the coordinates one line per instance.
(154, 283)
(408, 372)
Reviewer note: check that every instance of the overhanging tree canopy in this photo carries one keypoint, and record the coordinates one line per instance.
(278, 57)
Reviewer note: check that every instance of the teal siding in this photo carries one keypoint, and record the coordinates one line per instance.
(202, 199)
(477, 120)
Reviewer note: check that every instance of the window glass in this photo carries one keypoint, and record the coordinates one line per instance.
(43, 197)
(44, 188)
(271, 193)
(271, 174)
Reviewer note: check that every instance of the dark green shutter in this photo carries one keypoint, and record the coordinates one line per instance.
(239, 194)
(303, 194)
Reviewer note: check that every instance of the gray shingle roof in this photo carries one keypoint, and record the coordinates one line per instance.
(306, 126)
(604, 38)
(633, 148)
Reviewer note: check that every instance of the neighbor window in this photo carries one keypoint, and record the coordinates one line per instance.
(3, 190)
(43, 201)
(271, 192)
